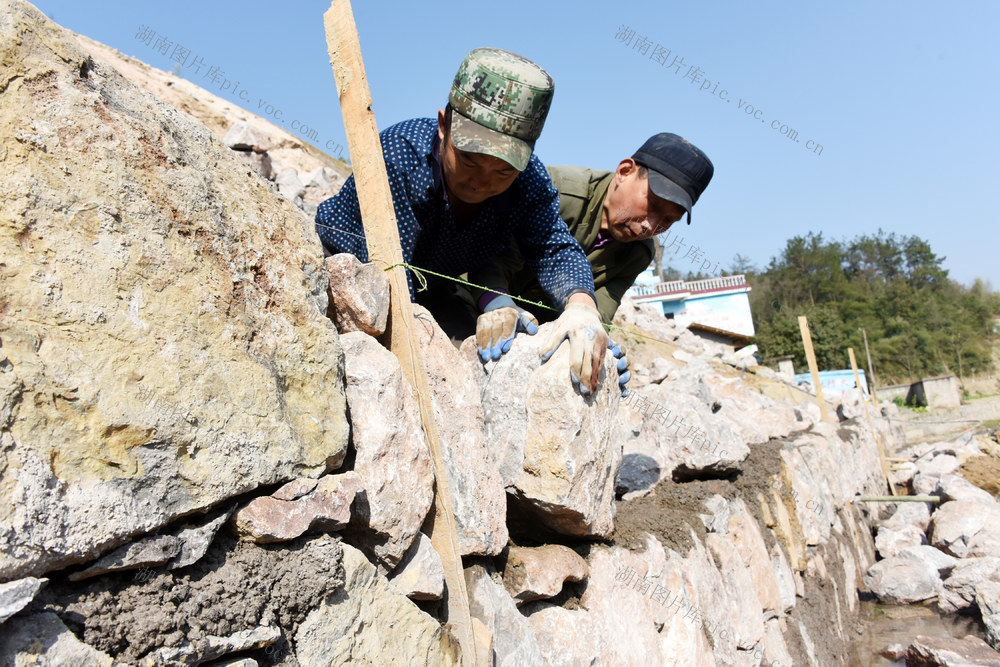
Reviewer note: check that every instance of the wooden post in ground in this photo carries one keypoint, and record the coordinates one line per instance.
(813, 369)
(871, 369)
(878, 438)
(382, 237)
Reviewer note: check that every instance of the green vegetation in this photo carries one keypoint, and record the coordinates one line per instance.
(919, 322)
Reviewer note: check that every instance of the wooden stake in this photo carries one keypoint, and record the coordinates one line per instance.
(382, 237)
(871, 369)
(813, 369)
(878, 438)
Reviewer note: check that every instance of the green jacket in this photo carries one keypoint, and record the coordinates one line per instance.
(615, 264)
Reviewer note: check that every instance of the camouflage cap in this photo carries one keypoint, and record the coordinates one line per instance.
(500, 101)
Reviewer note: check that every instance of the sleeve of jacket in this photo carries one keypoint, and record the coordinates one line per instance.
(609, 295)
(545, 242)
(498, 273)
(338, 219)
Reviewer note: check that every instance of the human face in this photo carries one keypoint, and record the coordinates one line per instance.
(631, 211)
(472, 178)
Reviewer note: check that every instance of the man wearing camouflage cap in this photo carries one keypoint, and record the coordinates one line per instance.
(466, 186)
(613, 215)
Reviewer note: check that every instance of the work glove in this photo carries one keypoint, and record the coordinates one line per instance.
(588, 342)
(618, 352)
(497, 326)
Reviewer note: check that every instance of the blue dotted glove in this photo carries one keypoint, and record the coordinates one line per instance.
(623, 373)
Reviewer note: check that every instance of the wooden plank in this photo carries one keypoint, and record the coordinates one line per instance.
(382, 236)
(813, 369)
(878, 438)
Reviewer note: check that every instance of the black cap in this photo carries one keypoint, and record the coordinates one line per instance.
(679, 171)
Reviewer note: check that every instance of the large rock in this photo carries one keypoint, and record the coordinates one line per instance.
(477, 492)
(890, 542)
(367, 622)
(903, 579)
(533, 573)
(970, 651)
(359, 295)
(514, 641)
(553, 447)
(956, 524)
(420, 575)
(953, 487)
(391, 460)
(177, 353)
(968, 574)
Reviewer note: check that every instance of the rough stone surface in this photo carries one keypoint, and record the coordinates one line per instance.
(15, 595)
(901, 580)
(213, 647)
(956, 523)
(420, 575)
(959, 589)
(149, 551)
(909, 514)
(391, 459)
(196, 539)
(359, 295)
(327, 507)
(514, 641)
(890, 542)
(953, 487)
(988, 601)
(566, 638)
(42, 639)
(366, 622)
(477, 492)
(533, 573)
(971, 651)
(936, 558)
(181, 333)
(552, 446)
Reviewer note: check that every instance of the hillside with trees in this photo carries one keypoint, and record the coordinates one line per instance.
(919, 322)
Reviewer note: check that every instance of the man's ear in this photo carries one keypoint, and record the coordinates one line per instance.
(441, 127)
(625, 168)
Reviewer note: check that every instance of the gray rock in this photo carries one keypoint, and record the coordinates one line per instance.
(971, 651)
(959, 589)
(367, 622)
(289, 185)
(890, 542)
(420, 575)
(215, 647)
(391, 461)
(909, 514)
(936, 558)
(957, 522)
(477, 491)
(42, 639)
(953, 487)
(852, 405)
(246, 137)
(552, 446)
(15, 595)
(325, 508)
(359, 295)
(147, 552)
(901, 580)
(988, 601)
(514, 641)
(195, 541)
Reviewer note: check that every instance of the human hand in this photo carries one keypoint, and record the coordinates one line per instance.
(497, 326)
(588, 342)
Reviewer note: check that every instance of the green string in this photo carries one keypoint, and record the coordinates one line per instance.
(423, 286)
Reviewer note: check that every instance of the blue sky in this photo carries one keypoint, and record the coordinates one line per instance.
(902, 97)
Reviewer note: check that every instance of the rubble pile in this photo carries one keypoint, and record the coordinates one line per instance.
(208, 456)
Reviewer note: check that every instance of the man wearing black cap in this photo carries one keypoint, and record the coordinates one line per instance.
(613, 215)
